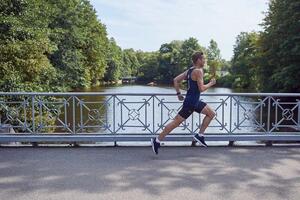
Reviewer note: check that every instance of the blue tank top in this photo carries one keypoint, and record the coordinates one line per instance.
(193, 93)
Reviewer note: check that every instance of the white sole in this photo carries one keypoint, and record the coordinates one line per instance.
(199, 141)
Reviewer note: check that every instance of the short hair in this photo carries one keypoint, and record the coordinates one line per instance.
(196, 56)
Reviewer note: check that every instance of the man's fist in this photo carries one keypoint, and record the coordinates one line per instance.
(180, 97)
(212, 82)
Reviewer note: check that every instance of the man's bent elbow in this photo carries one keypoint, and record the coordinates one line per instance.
(202, 89)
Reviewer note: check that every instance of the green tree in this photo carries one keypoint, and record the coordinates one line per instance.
(114, 62)
(148, 71)
(171, 59)
(24, 46)
(81, 42)
(187, 49)
(24, 50)
(130, 63)
(244, 61)
(279, 63)
(168, 61)
(213, 57)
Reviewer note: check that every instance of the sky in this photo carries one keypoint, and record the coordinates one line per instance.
(147, 24)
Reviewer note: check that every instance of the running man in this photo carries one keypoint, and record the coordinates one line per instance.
(194, 77)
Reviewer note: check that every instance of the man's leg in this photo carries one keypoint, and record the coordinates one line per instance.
(209, 115)
(155, 142)
(170, 126)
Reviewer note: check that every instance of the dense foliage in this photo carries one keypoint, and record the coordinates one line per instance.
(269, 61)
(60, 45)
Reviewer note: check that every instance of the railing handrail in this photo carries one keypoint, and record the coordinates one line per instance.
(119, 119)
(142, 94)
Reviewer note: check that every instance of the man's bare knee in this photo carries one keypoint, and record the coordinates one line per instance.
(211, 114)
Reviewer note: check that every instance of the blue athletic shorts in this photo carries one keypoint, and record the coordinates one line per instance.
(187, 110)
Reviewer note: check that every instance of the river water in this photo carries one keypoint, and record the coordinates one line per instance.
(146, 114)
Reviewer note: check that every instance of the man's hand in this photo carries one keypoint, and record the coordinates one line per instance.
(212, 82)
(180, 97)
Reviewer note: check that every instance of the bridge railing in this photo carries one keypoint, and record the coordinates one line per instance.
(133, 116)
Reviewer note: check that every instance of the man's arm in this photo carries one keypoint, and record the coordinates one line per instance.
(201, 86)
(178, 79)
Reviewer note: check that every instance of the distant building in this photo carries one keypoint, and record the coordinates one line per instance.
(128, 80)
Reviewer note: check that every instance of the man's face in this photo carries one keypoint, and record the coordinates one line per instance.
(201, 61)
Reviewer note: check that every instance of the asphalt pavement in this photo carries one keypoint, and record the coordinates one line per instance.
(135, 173)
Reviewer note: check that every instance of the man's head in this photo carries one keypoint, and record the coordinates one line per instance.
(198, 59)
